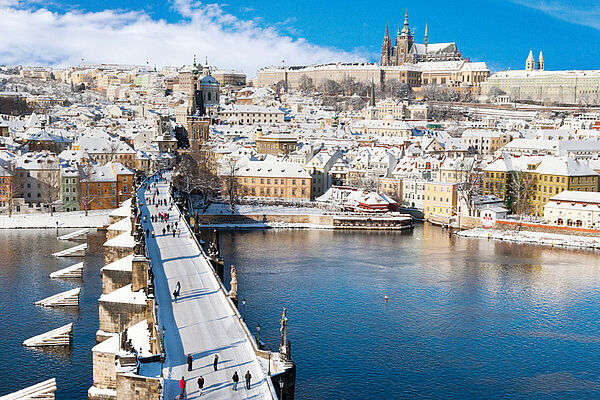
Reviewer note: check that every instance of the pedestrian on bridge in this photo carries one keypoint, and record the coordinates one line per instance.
(173, 232)
(182, 386)
(248, 376)
(164, 231)
(178, 287)
(189, 362)
(235, 378)
(153, 235)
(178, 232)
(216, 361)
(200, 385)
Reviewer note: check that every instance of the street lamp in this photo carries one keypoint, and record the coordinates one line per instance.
(244, 309)
(281, 383)
(269, 365)
(258, 330)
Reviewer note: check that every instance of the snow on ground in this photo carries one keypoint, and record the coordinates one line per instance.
(75, 219)
(202, 322)
(246, 209)
(263, 225)
(539, 238)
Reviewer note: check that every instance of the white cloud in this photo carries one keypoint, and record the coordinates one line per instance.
(31, 36)
(579, 12)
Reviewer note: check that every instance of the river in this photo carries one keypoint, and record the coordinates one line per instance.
(466, 318)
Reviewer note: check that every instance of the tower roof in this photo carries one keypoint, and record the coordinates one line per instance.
(530, 57)
(406, 29)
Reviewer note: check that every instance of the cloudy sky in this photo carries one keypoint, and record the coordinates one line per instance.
(248, 35)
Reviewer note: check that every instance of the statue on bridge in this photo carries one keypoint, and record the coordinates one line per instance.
(283, 331)
(234, 283)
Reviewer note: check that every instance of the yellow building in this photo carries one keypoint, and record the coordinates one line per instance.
(440, 199)
(543, 177)
(274, 179)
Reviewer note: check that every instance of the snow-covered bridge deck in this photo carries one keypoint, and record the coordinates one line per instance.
(203, 321)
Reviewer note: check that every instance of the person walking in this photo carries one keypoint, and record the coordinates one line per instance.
(178, 287)
(164, 231)
(235, 378)
(248, 377)
(200, 385)
(182, 386)
(178, 232)
(216, 361)
(173, 232)
(189, 362)
(153, 233)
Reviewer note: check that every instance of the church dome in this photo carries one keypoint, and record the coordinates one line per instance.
(208, 80)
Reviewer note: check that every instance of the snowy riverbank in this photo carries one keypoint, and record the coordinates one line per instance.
(76, 219)
(537, 238)
(270, 225)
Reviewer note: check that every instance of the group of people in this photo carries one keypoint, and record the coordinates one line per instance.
(235, 378)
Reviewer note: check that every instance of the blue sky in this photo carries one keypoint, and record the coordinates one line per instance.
(499, 32)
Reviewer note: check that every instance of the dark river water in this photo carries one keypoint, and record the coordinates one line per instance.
(465, 318)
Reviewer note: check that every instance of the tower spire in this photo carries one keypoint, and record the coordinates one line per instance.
(540, 64)
(406, 29)
(530, 63)
(426, 40)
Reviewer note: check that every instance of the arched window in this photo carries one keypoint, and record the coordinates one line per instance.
(569, 222)
(578, 223)
(559, 221)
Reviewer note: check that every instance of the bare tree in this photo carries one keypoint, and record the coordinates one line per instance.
(305, 84)
(186, 178)
(329, 86)
(13, 188)
(232, 190)
(468, 181)
(87, 197)
(519, 191)
(50, 189)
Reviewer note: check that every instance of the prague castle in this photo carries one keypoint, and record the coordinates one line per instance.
(407, 62)
(407, 51)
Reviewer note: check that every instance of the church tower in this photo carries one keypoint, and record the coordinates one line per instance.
(404, 42)
(530, 63)
(540, 64)
(386, 49)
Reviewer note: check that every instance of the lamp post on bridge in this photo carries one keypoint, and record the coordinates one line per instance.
(269, 364)
(244, 309)
(281, 384)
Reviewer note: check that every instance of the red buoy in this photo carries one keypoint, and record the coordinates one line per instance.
(386, 298)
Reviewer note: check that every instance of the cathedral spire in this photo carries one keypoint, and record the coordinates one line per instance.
(406, 29)
(540, 64)
(387, 31)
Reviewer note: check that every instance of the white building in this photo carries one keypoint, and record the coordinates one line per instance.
(571, 208)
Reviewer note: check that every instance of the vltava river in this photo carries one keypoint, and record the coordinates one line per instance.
(465, 318)
(25, 262)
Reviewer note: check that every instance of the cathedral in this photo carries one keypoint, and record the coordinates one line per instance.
(407, 51)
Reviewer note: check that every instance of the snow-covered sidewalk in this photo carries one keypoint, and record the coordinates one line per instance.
(538, 238)
(202, 322)
(75, 219)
